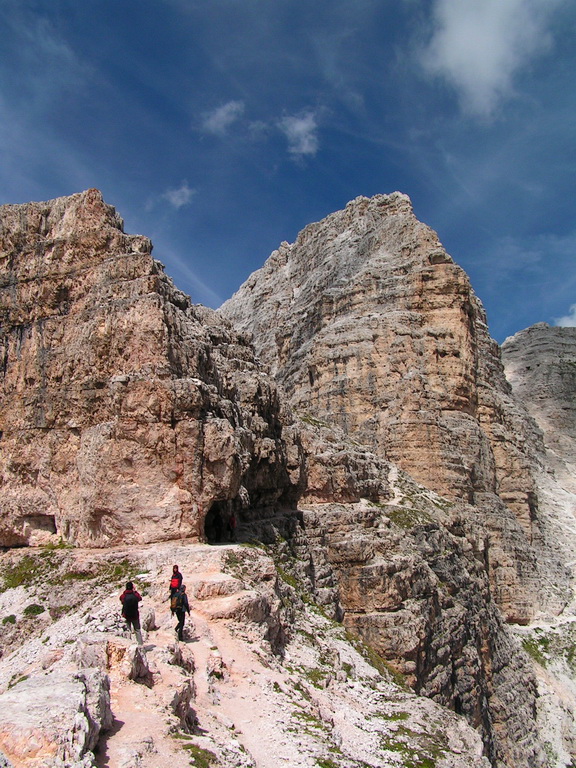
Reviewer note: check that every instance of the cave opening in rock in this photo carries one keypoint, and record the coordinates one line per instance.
(41, 522)
(220, 522)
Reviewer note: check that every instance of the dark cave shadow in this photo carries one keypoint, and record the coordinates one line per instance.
(101, 756)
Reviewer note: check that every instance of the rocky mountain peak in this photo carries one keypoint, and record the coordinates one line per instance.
(127, 413)
(368, 324)
(403, 492)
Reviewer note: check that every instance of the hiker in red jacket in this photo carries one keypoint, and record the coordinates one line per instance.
(175, 584)
(130, 599)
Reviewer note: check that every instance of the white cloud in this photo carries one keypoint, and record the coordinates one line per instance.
(479, 45)
(180, 196)
(301, 132)
(568, 321)
(219, 120)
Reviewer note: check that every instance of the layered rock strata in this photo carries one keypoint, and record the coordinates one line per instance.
(126, 413)
(540, 364)
(130, 415)
(368, 324)
(411, 579)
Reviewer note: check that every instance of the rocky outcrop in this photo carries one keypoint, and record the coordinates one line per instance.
(127, 413)
(540, 364)
(412, 581)
(130, 415)
(226, 696)
(368, 324)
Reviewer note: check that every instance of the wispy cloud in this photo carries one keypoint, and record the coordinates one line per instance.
(300, 130)
(301, 133)
(179, 196)
(478, 46)
(569, 320)
(219, 120)
(185, 276)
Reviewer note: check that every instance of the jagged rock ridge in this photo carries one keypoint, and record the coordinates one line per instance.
(366, 322)
(129, 412)
(126, 413)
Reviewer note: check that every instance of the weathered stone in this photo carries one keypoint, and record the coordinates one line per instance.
(127, 413)
(54, 718)
(369, 325)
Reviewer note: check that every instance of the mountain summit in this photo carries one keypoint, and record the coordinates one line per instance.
(348, 413)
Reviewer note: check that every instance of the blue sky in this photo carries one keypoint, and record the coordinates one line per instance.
(219, 128)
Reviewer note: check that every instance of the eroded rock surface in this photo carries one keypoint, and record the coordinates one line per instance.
(368, 324)
(540, 364)
(130, 415)
(227, 695)
(126, 413)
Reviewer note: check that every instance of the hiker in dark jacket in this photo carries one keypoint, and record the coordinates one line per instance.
(182, 608)
(130, 599)
(175, 584)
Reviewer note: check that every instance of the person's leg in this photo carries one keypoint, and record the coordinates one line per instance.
(180, 626)
(134, 626)
(137, 632)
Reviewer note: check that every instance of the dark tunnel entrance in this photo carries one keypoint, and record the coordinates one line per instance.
(220, 522)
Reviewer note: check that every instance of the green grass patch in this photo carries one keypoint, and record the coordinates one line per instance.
(375, 660)
(394, 717)
(77, 576)
(313, 421)
(11, 619)
(201, 758)
(15, 680)
(21, 574)
(57, 611)
(315, 675)
(46, 569)
(287, 578)
(535, 649)
(406, 517)
(34, 610)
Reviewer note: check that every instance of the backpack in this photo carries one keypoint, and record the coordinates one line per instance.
(176, 601)
(130, 606)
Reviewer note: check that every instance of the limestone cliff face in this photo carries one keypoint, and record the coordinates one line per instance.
(129, 415)
(126, 413)
(540, 364)
(367, 323)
